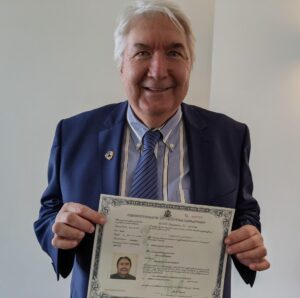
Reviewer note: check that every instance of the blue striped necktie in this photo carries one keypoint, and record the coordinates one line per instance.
(144, 183)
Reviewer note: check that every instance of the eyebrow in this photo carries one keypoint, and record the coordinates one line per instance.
(175, 45)
(141, 46)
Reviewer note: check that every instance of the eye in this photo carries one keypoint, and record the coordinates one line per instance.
(143, 54)
(174, 54)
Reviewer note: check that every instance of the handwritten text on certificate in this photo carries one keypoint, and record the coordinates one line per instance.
(160, 249)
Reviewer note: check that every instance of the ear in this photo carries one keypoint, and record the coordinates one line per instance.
(122, 71)
(121, 67)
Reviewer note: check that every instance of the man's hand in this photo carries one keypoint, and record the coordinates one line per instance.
(247, 244)
(72, 222)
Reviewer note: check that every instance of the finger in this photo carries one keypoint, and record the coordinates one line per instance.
(241, 234)
(62, 243)
(256, 253)
(247, 262)
(75, 221)
(68, 232)
(85, 212)
(246, 245)
(264, 264)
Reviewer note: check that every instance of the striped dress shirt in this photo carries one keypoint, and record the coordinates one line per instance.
(171, 154)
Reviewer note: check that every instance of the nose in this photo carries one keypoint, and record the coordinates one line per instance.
(158, 67)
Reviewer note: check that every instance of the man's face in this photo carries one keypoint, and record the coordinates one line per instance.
(155, 69)
(123, 267)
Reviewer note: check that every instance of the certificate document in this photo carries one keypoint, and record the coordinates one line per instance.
(155, 249)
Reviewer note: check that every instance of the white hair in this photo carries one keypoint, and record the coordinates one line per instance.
(146, 7)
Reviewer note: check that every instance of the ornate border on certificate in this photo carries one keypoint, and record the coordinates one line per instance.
(108, 201)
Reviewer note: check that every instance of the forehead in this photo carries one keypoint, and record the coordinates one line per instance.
(123, 261)
(155, 30)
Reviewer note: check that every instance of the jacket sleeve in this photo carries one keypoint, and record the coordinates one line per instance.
(51, 203)
(247, 211)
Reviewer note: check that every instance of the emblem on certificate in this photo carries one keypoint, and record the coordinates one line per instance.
(156, 249)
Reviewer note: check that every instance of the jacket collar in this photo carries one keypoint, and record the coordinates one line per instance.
(197, 137)
(110, 139)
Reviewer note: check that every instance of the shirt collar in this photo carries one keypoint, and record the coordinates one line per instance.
(139, 129)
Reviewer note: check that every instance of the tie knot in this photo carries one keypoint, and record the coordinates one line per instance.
(150, 139)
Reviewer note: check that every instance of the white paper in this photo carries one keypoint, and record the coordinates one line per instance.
(176, 250)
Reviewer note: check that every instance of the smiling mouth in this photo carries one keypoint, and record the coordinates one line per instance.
(157, 90)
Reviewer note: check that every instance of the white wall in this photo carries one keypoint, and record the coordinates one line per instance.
(256, 79)
(56, 61)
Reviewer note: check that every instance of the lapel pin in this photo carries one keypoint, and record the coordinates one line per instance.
(109, 155)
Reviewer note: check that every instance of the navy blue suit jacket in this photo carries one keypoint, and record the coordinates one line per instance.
(218, 149)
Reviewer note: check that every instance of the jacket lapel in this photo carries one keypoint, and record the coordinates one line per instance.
(110, 140)
(198, 151)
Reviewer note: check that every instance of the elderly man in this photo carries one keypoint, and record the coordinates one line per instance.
(202, 157)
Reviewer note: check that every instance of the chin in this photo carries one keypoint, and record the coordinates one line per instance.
(166, 111)
(158, 106)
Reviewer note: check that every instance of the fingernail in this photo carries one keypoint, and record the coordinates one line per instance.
(92, 229)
